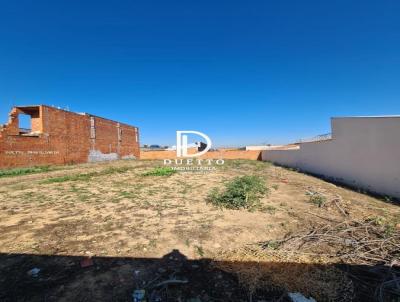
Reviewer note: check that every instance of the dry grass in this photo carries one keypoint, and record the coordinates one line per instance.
(297, 273)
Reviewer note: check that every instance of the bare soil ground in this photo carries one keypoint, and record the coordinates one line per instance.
(129, 224)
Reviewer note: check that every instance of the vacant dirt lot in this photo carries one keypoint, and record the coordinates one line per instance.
(112, 211)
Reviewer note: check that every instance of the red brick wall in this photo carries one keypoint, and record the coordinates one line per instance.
(64, 138)
(107, 140)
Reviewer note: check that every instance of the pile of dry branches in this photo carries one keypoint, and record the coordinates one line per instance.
(371, 248)
(367, 242)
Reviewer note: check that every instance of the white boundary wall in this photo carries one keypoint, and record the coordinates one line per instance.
(364, 152)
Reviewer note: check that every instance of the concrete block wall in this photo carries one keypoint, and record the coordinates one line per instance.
(364, 152)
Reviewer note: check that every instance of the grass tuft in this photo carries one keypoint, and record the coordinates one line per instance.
(76, 177)
(160, 171)
(24, 171)
(85, 176)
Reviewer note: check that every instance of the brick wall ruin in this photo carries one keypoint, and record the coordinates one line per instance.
(62, 137)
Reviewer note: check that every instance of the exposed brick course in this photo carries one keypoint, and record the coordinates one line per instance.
(63, 137)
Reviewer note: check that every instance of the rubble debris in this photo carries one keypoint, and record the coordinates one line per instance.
(34, 272)
(86, 262)
(297, 297)
(139, 295)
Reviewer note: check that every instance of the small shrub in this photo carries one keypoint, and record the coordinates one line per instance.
(387, 226)
(376, 220)
(389, 230)
(272, 245)
(317, 198)
(160, 171)
(241, 193)
(388, 199)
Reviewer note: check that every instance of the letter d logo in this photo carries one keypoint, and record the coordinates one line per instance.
(182, 143)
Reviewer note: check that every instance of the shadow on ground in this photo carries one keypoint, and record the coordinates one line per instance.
(167, 279)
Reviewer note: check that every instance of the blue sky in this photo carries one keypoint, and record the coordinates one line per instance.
(243, 72)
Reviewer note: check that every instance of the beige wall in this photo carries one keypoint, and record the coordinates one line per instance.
(364, 152)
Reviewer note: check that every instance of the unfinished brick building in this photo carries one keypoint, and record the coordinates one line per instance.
(62, 137)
